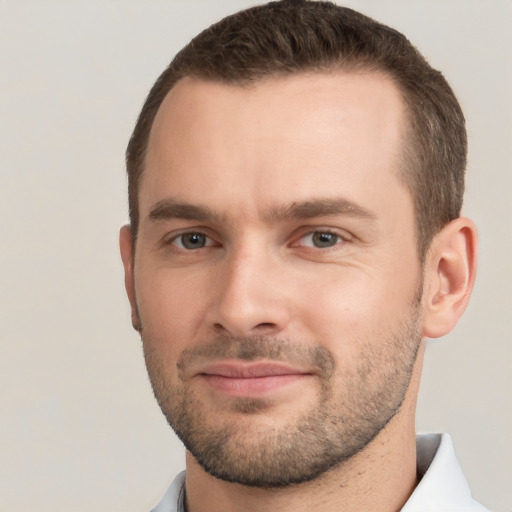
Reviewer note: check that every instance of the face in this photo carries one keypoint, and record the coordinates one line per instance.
(276, 278)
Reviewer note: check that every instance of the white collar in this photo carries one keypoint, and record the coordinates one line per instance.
(442, 487)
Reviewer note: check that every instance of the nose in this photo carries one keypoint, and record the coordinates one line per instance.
(252, 298)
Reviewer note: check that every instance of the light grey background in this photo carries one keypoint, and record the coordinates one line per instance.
(79, 428)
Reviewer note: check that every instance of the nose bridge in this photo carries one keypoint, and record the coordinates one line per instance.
(251, 299)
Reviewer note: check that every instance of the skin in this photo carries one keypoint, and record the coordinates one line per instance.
(242, 157)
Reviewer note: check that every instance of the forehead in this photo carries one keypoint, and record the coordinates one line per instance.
(279, 139)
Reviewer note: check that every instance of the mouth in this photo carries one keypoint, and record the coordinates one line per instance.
(255, 379)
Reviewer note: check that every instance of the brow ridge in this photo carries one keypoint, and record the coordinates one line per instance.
(167, 209)
(318, 208)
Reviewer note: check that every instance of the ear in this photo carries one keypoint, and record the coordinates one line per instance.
(450, 270)
(127, 255)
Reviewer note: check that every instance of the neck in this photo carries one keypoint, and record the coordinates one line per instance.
(380, 478)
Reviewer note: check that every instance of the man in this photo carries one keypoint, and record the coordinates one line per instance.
(295, 185)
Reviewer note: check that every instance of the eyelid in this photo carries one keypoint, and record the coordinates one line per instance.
(299, 234)
(170, 238)
(343, 235)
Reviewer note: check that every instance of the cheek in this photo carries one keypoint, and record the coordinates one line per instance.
(353, 305)
(170, 307)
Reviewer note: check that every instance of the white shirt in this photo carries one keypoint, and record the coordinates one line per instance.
(442, 487)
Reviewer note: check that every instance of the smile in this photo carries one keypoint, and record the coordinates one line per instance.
(250, 380)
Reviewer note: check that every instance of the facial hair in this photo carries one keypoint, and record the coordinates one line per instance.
(355, 400)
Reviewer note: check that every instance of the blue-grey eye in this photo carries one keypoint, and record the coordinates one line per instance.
(191, 241)
(324, 239)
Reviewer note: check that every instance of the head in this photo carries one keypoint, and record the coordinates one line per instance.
(287, 174)
(291, 37)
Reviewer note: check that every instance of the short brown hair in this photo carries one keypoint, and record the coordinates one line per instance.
(293, 36)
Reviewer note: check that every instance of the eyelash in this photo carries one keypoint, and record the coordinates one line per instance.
(340, 239)
(175, 238)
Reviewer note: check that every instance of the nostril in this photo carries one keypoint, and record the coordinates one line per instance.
(219, 327)
(265, 325)
(265, 329)
(261, 328)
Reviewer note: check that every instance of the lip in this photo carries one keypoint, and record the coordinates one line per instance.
(250, 379)
(259, 369)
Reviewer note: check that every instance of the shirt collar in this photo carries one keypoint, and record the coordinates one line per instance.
(442, 486)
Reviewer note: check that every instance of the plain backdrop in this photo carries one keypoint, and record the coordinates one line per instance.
(79, 428)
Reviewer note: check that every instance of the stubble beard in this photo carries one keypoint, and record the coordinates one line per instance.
(354, 405)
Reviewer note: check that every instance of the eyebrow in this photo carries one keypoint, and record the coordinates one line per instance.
(168, 209)
(318, 208)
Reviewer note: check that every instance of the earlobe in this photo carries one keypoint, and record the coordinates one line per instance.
(127, 255)
(450, 270)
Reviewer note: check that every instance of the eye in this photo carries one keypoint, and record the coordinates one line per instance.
(321, 239)
(192, 240)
